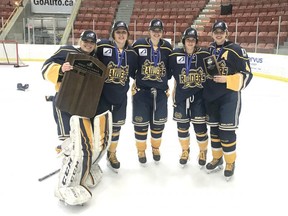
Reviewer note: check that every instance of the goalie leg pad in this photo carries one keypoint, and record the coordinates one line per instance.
(76, 167)
(76, 195)
(95, 176)
(102, 135)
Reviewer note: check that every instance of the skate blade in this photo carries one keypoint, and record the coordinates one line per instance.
(228, 178)
(143, 164)
(156, 162)
(201, 166)
(183, 165)
(217, 169)
(111, 168)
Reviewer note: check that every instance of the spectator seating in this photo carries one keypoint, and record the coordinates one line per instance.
(176, 16)
(256, 22)
(98, 15)
(6, 12)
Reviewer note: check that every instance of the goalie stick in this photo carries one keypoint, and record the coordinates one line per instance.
(49, 175)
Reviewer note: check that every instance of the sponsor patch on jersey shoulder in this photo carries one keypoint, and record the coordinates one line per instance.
(142, 52)
(180, 60)
(107, 51)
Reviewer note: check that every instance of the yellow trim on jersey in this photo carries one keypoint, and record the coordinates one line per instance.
(234, 82)
(105, 44)
(242, 57)
(52, 73)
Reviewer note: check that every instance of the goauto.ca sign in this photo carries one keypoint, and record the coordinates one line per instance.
(52, 6)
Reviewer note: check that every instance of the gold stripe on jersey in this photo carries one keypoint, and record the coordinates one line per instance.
(247, 67)
(235, 81)
(231, 50)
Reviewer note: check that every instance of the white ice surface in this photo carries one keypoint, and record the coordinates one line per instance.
(28, 139)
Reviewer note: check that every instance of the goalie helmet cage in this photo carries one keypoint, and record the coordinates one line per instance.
(9, 54)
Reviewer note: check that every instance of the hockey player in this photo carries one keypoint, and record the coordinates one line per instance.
(187, 68)
(85, 139)
(121, 60)
(223, 97)
(150, 90)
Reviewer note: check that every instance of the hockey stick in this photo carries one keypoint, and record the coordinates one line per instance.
(49, 175)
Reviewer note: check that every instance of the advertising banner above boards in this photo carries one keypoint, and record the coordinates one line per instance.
(269, 65)
(52, 6)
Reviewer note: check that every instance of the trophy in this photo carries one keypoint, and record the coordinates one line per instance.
(81, 87)
(211, 66)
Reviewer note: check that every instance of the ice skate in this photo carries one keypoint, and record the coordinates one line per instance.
(184, 157)
(112, 161)
(215, 165)
(142, 157)
(202, 158)
(229, 171)
(156, 154)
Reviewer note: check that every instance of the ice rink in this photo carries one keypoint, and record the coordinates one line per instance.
(29, 138)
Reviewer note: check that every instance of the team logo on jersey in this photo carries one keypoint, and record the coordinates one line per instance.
(142, 52)
(153, 73)
(117, 75)
(193, 79)
(107, 51)
(138, 119)
(178, 115)
(180, 60)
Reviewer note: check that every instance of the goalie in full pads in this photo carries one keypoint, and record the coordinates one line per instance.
(85, 139)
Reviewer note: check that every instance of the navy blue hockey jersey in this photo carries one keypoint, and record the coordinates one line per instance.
(231, 59)
(121, 68)
(188, 72)
(152, 64)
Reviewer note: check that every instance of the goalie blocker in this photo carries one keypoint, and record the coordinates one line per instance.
(80, 169)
